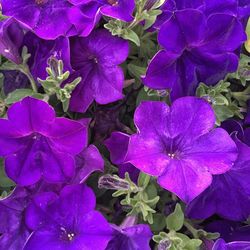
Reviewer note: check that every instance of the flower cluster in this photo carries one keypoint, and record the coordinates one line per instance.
(124, 124)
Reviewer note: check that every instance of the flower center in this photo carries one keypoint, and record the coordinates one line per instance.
(41, 2)
(93, 59)
(172, 156)
(113, 2)
(71, 236)
(66, 235)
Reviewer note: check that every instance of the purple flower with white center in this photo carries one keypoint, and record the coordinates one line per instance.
(41, 50)
(228, 195)
(180, 146)
(220, 244)
(36, 144)
(13, 231)
(96, 59)
(130, 236)
(11, 38)
(48, 19)
(189, 56)
(67, 221)
(117, 145)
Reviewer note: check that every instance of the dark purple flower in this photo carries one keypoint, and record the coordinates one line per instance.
(13, 231)
(180, 146)
(13, 80)
(36, 144)
(87, 162)
(220, 244)
(41, 50)
(228, 195)
(192, 55)
(48, 19)
(95, 59)
(117, 145)
(11, 38)
(66, 222)
(130, 236)
(118, 9)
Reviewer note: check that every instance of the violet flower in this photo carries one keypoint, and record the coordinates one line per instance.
(13, 231)
(96, 59)
(130, 236)
(180, 146)
(11, 38)
(117, 145)
(41, 50)
(36, 144)
(48, 19)
(192, 55)
(228, 195)
(220, 244)
(67, 221)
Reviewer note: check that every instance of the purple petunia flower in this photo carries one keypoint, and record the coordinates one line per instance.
(228, 195)
(11, 38)
(220, 244)
(192, 55)
(13, 80)
(180, 146)
(117, 145)
(66, 222)
(95, 59)
(130, 236)
(36, 144)
(48, 19)
(41, 50)
(13, 231)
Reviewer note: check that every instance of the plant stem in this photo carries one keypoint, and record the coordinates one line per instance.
(25, 70)
(191, 229)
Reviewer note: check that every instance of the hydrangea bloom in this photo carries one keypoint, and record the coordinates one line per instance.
(48, 19)
(11, 37)
(228, 195)
(36, 144)
(95, 59)
(180, 146)
(66, 222)
(189, 56)
(117, 145)
(41, 50)
(130, 237)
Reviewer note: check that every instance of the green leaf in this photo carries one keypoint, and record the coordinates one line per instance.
(193, 244)
(158, 222)
(143, 180)
(131, 36)
(176, 219)
(17, 95)
(136, 71)
(5, 182)
(143, 95)
(247, 43)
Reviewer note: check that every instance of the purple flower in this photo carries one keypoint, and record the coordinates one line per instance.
(89, 12)
(95, 59)
(13, 80)
(13, 231)
(118, 9)
(48, 19)
(228, 195)
(87, 162)
(192, 55)
(180, 146)
(117, 145)
(36, 144)
(41, 50)
(220, 244)
(11, 38)
(130, 237)
(66, 222)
